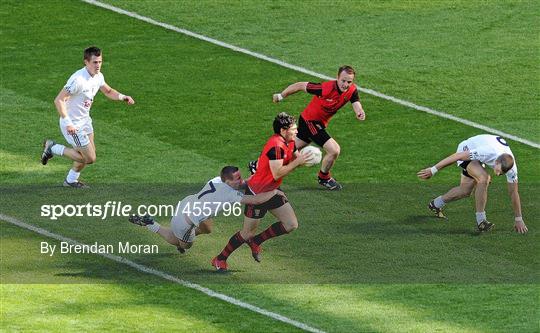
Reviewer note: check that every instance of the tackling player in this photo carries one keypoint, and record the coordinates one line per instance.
(73, 104)
(278, 158)
(194, 214)
(472, 155)
(328, 98)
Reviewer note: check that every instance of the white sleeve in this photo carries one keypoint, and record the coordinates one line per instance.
(236, 196)
(512, 175)
(102, 83)
(73, 86)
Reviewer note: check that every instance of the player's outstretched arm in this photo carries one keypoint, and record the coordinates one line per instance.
(430, 172)
(519, 224)
(359, 111)
(292, 89)
(115, 95)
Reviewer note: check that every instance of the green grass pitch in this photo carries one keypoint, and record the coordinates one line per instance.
(366, 259)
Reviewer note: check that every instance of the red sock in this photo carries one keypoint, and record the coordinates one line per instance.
(234, 242)
(276, 229)
(324, 175)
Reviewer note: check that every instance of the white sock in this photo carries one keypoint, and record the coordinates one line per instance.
(58, 149)
(153, 227)
(72, 176)
(480, 216)
(439, 202)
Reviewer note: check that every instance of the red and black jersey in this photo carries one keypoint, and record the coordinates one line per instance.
(275, 149)
(327, 101)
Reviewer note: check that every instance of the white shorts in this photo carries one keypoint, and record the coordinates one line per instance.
(81, 137)
(181, 226)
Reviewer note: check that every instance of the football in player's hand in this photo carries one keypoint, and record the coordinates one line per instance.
(316, 155)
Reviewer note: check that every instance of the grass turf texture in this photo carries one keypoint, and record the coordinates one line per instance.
(476, 60)
(374, 256)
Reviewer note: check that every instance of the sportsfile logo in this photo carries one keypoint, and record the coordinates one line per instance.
(118, 209)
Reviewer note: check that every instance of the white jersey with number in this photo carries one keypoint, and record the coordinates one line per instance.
(214, 197)
(486, 148)
(83, 88)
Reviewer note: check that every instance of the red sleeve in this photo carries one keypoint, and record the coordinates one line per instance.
(314, 88)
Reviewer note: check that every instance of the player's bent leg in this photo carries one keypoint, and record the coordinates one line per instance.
(236, 240)
(287, 222)
(88, 152)
(249, 228)
(332, 150)
(482, 179)
(286, 215)
(463, 190)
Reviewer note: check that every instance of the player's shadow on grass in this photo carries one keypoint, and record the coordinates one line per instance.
(436, 225)
(410, 225)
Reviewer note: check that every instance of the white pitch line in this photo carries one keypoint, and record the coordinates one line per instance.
(310, 72)
(148, 270)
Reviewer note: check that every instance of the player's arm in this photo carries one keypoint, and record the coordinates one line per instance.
(430, 172)
(519, 225)
(60, 103)
(260, 198)
(292, 89)
(115, 95)
(279, 170)
(359, 110)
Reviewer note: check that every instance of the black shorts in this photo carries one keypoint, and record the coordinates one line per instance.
(259, 211)
(312, 131)
(464, 164)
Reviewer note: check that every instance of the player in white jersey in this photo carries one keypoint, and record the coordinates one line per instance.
(194, 214)
(472, 156)
(73, 104)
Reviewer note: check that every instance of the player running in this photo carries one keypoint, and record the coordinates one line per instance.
(73, 104)
(328, 98)
(472, 155)
(194, 214)
(278, 158)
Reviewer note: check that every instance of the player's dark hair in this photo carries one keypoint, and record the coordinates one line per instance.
(227, 172)
(91, 51)
(346, 69)
(283, 121)
(507, 162)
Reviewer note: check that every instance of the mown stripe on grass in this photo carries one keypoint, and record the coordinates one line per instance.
(163, 275)
(310, 72)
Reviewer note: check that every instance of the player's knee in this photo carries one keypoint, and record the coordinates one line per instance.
(484, 179)
(291, 226)
(247, 234)
(334, 151)
(89, 159)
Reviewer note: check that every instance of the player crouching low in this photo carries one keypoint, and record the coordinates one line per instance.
(193, 215)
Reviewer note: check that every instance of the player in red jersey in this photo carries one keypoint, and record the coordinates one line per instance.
(278, 158)
(328, 98)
